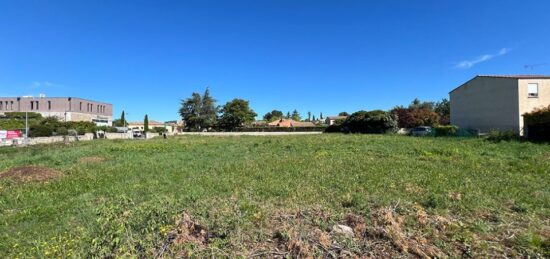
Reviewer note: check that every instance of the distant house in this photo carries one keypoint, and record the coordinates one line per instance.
(287, 123)
(331, 119)
(140, 126)
(497, 102)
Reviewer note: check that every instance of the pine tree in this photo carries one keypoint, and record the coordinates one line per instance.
(321, 116)
(287, 115)
(308, 116)
(123, 119)
(146, 123)
(296, 115)
(314, 118)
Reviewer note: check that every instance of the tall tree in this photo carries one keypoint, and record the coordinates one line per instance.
(314, 118)
(343, 114)
(295, 115)
(123, 118)
(236, 113)
(443, 108)
(321, 116)
(146, 123)
(198, 111)
(287, 115)
(209, 110)
(273, 116)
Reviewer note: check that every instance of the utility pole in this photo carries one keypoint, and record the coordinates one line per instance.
(26, 127)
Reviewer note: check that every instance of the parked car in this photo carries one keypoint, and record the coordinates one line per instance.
(421, 131)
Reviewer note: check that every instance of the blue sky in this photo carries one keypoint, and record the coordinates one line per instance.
(318, 56)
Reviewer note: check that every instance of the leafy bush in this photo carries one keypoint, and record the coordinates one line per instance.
(335, 128)
(159, 129)
(498, 136)
(61, 131)
(537, 124)
(12, 124)
(449, 130)
(40, 130)
(376, 121)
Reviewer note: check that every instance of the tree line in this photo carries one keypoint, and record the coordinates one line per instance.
(200, 112)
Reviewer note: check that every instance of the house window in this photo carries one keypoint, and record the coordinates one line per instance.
(32, 105)
(533, 90)
(11, 105)
(81, 106)
(37, 105)
(49, 105)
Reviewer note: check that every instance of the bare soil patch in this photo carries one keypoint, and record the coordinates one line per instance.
(31, 174)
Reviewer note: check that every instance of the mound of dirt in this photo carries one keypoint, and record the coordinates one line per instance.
(31, 174)
(91, 159)
(187, 231)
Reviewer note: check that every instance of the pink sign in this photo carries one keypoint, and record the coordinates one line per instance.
(11, 134)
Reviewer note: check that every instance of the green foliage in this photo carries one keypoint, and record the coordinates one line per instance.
(538, 116)
(236, 113)
(335, 128)
(11, 124)
(22, 115)
(273, 116)
(498, 136)
(159, 129)
(61, 131)
(376, 121)
(443, 109)
(199, 112)
(343, 114)
(448, 130)
(146, 123)
(41, 130)
(295, 115)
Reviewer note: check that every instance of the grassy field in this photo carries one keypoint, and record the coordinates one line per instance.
(276, 196)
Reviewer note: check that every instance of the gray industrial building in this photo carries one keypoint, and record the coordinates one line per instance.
(64, 108)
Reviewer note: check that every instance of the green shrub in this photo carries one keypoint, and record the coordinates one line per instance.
(62, 131)
(376, 121)
(335, 128)
(498, 136)
(449, 130)
(40, 130)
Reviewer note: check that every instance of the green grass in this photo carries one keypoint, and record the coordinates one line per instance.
(496, 195)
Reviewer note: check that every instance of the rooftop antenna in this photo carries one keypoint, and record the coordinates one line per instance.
(533, 66)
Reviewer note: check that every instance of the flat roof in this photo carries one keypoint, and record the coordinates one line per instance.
(38, 97)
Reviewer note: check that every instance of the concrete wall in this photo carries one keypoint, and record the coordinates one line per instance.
(528, 104)
(46, 140)
(486, 103)
(111, 135)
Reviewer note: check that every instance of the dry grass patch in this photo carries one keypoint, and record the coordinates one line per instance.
(31, 174)
(91, 159)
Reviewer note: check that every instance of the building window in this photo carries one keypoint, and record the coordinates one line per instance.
(11, 105)
(80, 106)
(1, 103)
(533, 90)
(49, 105)
(32, 105)
(37, 105)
